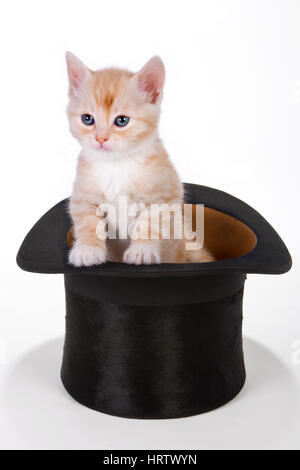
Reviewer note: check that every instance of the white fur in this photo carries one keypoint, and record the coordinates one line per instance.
(142, 253)
(85, 255)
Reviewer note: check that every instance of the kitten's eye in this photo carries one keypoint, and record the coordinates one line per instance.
(87, 119)
(121, 121)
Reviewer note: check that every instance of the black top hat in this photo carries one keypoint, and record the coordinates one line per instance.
(158, 341)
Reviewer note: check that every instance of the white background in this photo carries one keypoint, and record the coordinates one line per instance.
(231, 120)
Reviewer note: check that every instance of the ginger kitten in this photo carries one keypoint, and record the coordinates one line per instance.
(114, 115)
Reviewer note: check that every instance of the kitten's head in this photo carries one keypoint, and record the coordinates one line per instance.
(113, 112)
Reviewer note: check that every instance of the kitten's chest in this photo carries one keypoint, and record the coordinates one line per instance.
(117, 179)
(117, 184)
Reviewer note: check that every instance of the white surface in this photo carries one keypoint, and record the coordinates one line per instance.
(230, 120)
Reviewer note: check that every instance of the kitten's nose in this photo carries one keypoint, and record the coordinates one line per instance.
(101, 140)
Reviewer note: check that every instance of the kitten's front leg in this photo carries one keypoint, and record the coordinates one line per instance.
(143, 249)
(88, 249)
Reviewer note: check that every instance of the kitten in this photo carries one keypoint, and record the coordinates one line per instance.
(114, 115)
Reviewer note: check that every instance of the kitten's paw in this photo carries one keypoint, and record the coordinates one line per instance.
(85, 255)
(142, 253)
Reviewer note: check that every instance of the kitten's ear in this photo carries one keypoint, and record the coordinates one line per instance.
(77, 71)
(151, 79)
